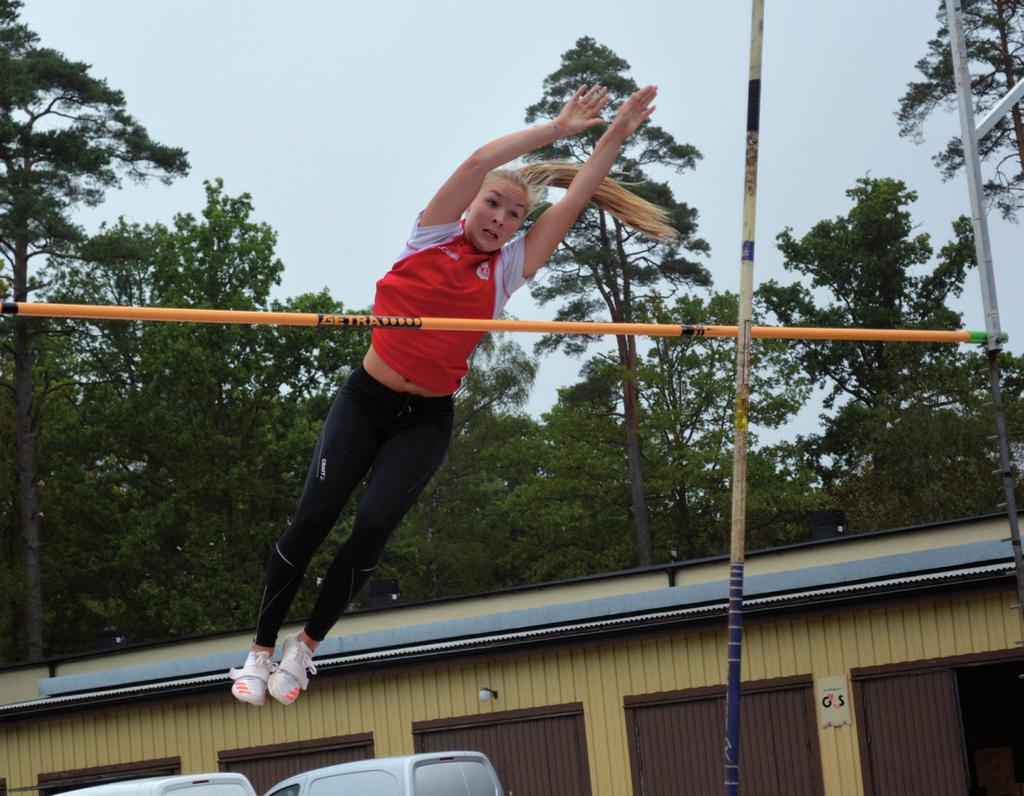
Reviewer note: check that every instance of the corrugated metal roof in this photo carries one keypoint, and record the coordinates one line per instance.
(678, 603)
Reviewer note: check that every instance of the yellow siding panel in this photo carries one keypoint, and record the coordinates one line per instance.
(993, 624)
(753, 663)
(897, 633)
(802, 646)
(915, 637)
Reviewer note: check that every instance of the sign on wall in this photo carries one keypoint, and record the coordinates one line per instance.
(833, 697)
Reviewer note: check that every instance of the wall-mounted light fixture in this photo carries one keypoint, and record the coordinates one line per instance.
(487, 694)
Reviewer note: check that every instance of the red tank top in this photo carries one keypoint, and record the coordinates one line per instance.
(450, 280)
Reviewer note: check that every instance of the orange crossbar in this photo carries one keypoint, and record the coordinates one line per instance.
(109, 312)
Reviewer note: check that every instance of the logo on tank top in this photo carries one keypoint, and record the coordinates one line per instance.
(449, 252)
(484, 271)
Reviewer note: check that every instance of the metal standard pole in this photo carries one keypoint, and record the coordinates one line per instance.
(983, 251)
(739, 467)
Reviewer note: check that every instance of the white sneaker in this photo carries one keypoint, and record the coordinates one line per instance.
(251, 680)
(290, 677)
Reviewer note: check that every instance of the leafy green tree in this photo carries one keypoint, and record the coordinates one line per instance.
(573, 517)
(603, 267)
(872, 267)
(11, 559)
(899, 413)
(687, 388)
(994, 32)
(65, 138)
(195, 438)
(927, 461)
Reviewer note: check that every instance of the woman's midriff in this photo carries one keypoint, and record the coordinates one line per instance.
(391, 378)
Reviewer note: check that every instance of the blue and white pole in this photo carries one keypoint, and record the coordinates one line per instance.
(739, 472)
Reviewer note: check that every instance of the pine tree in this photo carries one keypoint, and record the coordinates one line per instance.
(65, 139)
(994, 31)
(604, 266)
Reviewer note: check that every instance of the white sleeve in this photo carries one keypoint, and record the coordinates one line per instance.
(423, 237)
(513, 259)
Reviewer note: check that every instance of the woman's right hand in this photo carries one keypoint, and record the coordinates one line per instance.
(634, 111)
(582, 111)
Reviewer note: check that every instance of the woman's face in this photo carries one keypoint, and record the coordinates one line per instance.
(495, 214)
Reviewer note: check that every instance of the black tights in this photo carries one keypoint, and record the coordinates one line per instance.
(403, 438)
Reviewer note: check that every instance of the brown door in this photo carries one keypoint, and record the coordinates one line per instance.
(265, 766)
(535, 752)
(910, 735)
(58, 781)
(678, 738)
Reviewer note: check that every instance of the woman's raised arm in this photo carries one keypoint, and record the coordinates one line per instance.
(580, 113)
(554, 223)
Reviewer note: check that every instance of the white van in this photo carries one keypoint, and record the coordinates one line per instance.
(431, 774)
(189, 785)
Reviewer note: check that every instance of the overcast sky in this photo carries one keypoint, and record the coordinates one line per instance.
(342, 118)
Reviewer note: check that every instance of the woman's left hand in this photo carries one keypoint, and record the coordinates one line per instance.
(635, 111)
(582, 111)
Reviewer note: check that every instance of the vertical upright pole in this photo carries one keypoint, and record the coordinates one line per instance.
(739, 467)
(983, 253)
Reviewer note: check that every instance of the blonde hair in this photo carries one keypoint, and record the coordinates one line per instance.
(611, 195)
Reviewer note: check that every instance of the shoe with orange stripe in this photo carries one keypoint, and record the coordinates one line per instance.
(291, 676)
(251, 680)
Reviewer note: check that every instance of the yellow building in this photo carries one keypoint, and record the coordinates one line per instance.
(884, 663)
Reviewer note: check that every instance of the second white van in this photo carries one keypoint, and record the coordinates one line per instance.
(430, 774)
